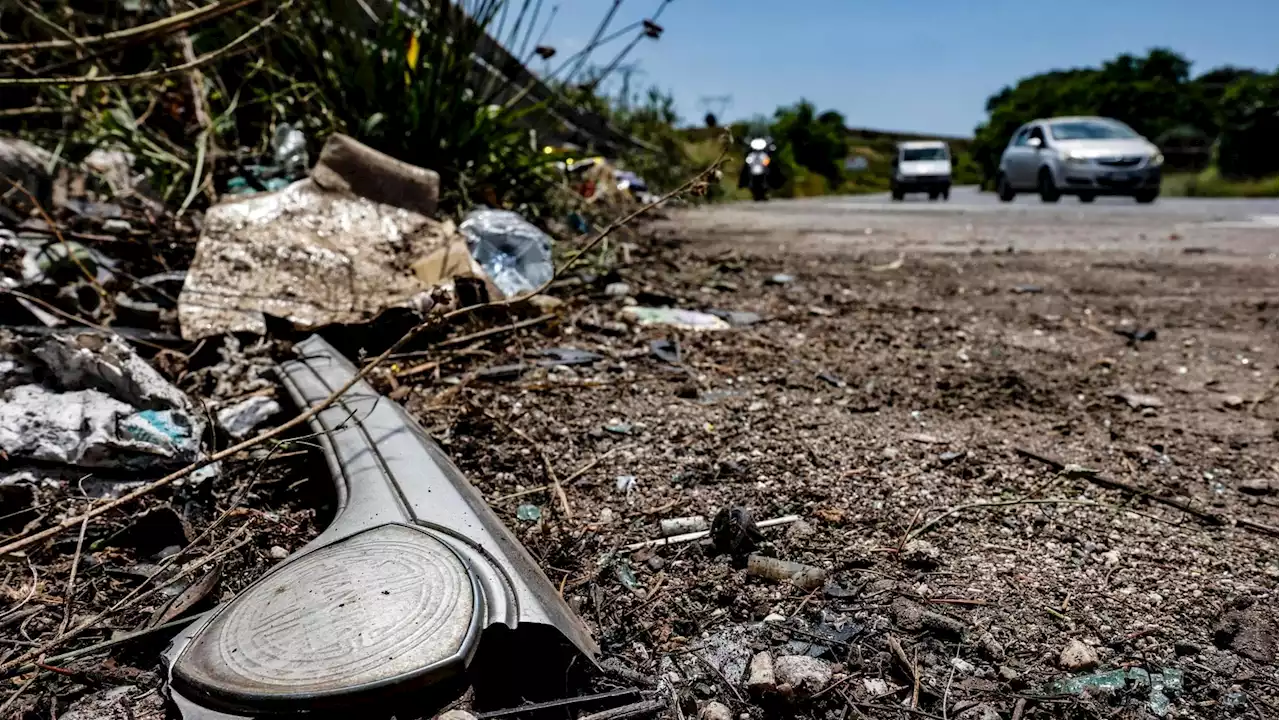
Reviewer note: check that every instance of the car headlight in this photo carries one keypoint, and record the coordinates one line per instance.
(1077, 159)
(1158, 159)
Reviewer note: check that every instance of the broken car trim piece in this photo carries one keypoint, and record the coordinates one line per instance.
(411, 580)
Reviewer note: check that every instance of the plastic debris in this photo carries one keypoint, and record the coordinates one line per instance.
(681, 525)
(806, 577)
(327, 249)
(240, 419)
(737, 318)
(674, 317)
(780, 279)
(289, 150)
(666, 350)
(529, 513)
(626, 575)
(734, 531)
(515, 254)
(1165, 682)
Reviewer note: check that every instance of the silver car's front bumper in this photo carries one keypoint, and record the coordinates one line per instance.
(1108, 179)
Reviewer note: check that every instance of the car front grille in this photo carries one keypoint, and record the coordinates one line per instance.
(1120, 160)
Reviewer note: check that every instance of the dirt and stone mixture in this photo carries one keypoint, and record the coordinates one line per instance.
(1031, 459)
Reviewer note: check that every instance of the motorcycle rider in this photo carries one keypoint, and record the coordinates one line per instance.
(759, 171)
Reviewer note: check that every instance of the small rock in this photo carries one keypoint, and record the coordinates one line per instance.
(1008, 674)
(801, 675)
(1111, 557)
(546, 303)
(875, 687)
(800, 529)
(1257, 486)
(760, 675)
(921, 553)
(1027, 289)
(715, 711)
(1249, 632)
(656, 563)
(617, 289)
(278, 553)
(982, 711)
(780, 279)
(1184, 648)
(116, 226)
(1078, 656)
(912, 617)
(990, 646)
(774, 618)
(1138, 401)
(949, 457)
(962, 666)
(1232, 401)
(456, 715)
(606, 516)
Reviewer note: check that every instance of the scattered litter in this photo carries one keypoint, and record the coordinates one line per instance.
(529, 513)
(780, 279)
(690, 537)
(619, 428)
(1136, 335)
(515, 254)
(1165, 682)
(668, 351)
(806, 577)
(626, 575)
(109, 408)
(950, 456)
(289, 150)
(558, 356)
(1138, 401)
(1257, 486)
(737, 318)
(674, 317)
(327, 249)
(821, 311)
(240, 419)
(681, 525)
(831, 380)
(734, 531)
(1027, 289)
(625, 484)
(147, 302)
(889, 266)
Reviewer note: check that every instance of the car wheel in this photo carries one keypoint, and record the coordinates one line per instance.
(1048, 191)
(1087, 197)
(1004, 189)
(933, 196)
(946, 194)
(1146, 196)
(898, 195)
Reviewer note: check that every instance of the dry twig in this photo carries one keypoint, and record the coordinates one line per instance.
(173, 23)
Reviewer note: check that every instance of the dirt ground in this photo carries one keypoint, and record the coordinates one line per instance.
(879, 393)
(892, 395)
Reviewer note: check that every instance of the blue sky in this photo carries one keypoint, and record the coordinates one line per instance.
(922, 65)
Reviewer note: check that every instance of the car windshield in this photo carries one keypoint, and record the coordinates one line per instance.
(1090, 130)
(930, 153)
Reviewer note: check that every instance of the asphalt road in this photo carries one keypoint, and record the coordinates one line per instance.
(971, 221)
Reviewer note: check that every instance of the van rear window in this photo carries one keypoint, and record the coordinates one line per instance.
(914, 154)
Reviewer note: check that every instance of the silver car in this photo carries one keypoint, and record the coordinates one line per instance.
(1081, 156)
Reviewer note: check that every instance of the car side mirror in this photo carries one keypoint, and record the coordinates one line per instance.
(1036, 143)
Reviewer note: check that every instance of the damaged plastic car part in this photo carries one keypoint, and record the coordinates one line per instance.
(414, 586)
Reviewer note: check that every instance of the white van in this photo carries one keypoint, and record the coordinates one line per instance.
(921, 166)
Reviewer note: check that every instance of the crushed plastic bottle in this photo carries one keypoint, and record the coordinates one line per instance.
(515, 254)
(289, 150)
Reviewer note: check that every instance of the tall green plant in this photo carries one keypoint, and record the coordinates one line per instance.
(410, 87)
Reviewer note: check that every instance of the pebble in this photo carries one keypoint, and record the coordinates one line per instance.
(1008, 674)
(1111, 557)
(278, 553)
(800, 529)
(617, 289)
(606, 516)
(1078, 656)
(715, 711)
(981, 711)
(116, 226)
(456, 715)
(990, 646)
(801, 675)
(921, 553)
(760, 675)
(962, 666)
(1256, 486)
(1232, 401)
(780, 279)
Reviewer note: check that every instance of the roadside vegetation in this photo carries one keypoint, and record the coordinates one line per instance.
(1217, 130)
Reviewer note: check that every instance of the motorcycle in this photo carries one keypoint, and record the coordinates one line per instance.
(759, 173)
